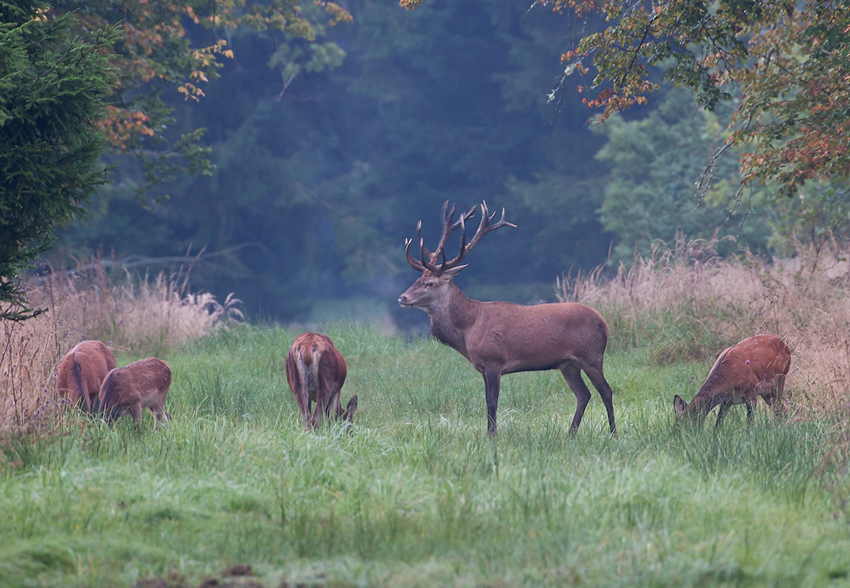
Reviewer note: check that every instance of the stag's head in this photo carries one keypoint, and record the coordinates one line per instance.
(436, 280)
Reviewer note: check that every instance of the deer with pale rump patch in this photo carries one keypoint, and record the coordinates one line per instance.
(755, 367)
(81, 371)
(141, 384)
(316, 371)
(500, 337)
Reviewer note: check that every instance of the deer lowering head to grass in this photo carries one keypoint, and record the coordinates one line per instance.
(755, 367)
(81, 372)
(500, 337)
(315, 371)
(142, 384)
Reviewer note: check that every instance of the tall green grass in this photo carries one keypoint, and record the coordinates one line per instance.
(416, 494)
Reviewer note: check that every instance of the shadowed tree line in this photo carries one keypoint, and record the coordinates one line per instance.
(327, 152)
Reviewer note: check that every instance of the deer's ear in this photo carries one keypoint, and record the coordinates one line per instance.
(454, 271)
(348, 413)
(679, 405)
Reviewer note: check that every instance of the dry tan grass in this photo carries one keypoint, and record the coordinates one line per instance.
(686, 303)
(127, 312)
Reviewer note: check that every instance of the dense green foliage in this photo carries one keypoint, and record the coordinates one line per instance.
(786, 62)
(417, 495)
(52, 92)
(655, 164)
(172, 48)
(319, 189)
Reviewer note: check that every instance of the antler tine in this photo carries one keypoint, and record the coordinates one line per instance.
(462, 223)
(428, 260)
(423, 251)
(448, 227)
(485, 227)
(414, 263)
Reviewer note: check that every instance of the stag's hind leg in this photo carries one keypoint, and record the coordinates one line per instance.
(572, 374)
(597, 378)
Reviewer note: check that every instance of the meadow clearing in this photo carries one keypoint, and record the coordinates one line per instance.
(417, 494)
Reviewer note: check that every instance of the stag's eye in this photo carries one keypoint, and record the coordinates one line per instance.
(429, 284)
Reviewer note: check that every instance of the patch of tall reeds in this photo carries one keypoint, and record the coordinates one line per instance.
(684, 302)
(133, 313)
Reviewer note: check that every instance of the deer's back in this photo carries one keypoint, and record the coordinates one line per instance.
(133, 382)
(740, 368)
(90, 361)
(315, 353)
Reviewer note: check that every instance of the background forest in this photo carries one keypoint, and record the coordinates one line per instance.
(319, 177)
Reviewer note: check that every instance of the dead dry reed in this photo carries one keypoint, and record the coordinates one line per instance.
(687, 303)
(129, 312)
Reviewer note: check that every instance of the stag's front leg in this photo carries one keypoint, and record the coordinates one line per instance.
(492, 380)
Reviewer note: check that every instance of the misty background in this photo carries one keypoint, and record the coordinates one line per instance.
(316, 187)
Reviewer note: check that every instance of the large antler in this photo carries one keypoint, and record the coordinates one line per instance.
(428, 260)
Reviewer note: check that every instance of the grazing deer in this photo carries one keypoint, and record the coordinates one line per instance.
(142, 384)
(502, 338)
(755, 367)
(82, 370)
(315, 371)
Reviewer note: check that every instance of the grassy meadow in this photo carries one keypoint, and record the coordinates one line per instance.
(233, 492)
(417, 494)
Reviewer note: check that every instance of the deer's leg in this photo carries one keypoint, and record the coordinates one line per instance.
(333, 410)
(572, 374)
(601, 384)
(721, 414)
(492, 380)
(316, 419)
(136, 411)
(751, 404)
(160, 414)
(304, 405)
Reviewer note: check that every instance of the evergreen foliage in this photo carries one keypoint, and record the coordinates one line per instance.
(52, 90)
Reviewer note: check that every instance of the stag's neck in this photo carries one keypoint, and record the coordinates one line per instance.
(453, 317)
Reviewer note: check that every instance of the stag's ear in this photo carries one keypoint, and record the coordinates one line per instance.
(679, 405)
(454, 271)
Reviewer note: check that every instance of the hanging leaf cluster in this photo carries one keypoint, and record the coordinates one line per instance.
(169, 46)
(788, 63)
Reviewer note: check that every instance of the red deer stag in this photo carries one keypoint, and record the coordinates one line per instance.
(315, 371)
(755, 367)
(142, 384)
(81, 372)
(502, 338)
